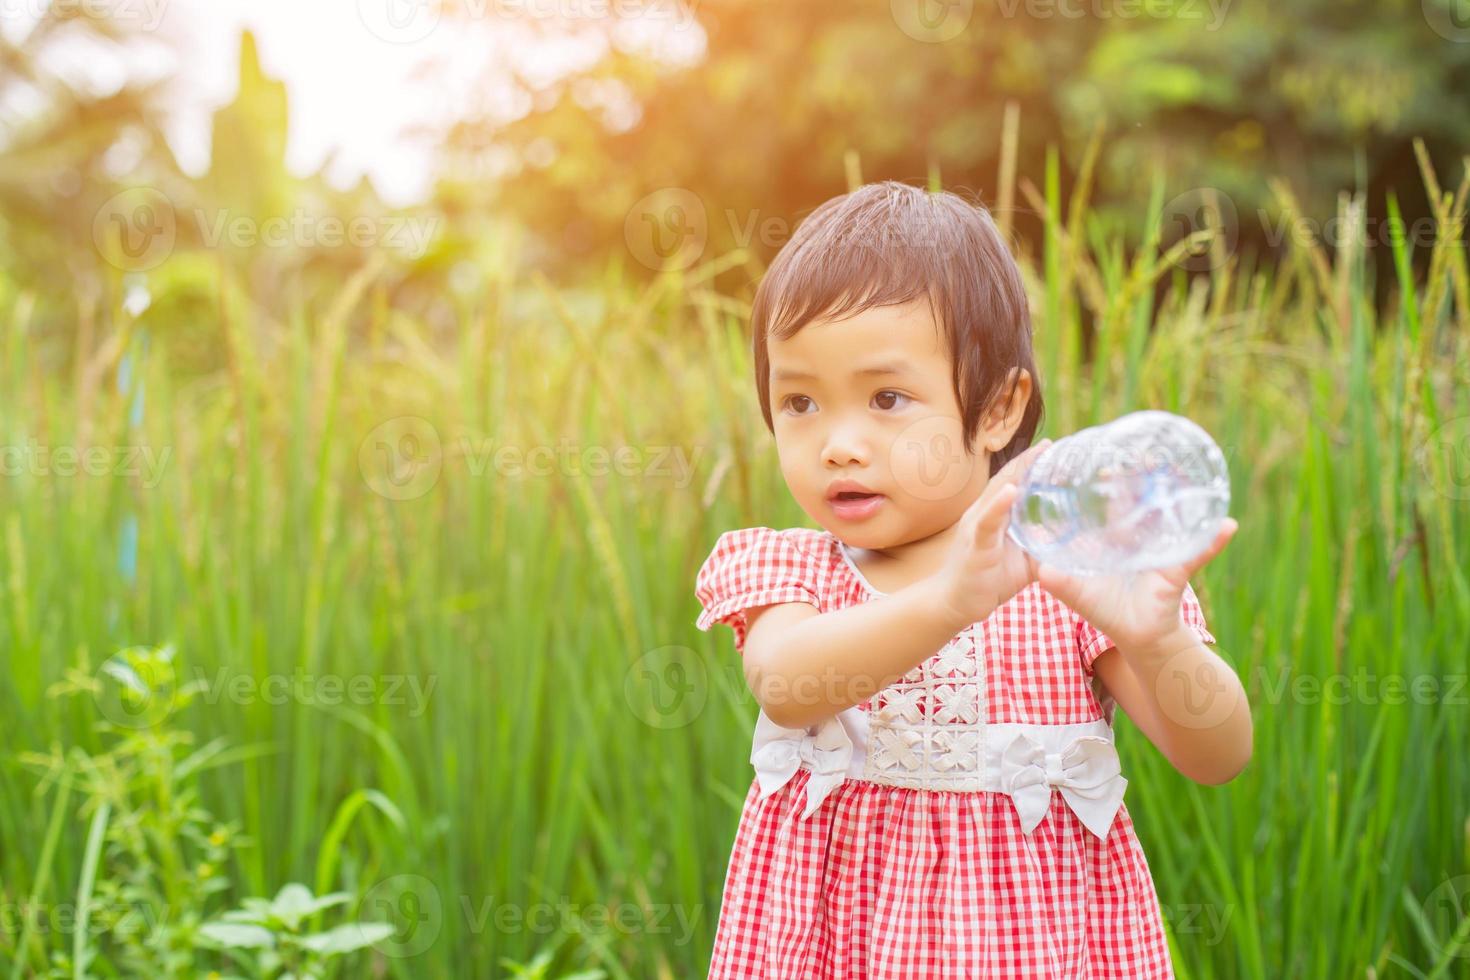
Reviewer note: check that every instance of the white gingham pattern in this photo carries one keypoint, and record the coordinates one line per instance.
(892, 883)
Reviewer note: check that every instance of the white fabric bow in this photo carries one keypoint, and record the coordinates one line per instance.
(1087, 772)
(778, 752)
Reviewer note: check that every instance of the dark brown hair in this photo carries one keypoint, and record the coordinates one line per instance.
(886, 244)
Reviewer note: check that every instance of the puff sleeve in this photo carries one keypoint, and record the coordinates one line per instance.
(754, 566)
(1092, 642)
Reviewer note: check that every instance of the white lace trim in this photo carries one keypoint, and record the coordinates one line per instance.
(927, 731)
(1024, 761)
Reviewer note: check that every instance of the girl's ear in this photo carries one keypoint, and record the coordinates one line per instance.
(1001, 424)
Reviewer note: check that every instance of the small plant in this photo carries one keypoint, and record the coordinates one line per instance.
(155, 856)
(267, 937)
(539, 967)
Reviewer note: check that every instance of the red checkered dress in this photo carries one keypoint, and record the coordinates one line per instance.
(887, 881)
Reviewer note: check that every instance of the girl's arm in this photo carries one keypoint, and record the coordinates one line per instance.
(805, 666)
(1187, 700)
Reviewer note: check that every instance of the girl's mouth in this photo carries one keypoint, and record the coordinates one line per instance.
(852, 506)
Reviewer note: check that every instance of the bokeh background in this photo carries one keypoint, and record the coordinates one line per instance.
(374, 377)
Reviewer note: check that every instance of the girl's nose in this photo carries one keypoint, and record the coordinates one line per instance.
(846, 447)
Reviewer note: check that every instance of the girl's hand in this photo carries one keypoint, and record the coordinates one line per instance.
(985, 567)
(1133, 610)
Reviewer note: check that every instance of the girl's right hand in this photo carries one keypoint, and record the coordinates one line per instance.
(985, 567)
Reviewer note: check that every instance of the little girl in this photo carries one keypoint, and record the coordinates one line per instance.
(937, 793)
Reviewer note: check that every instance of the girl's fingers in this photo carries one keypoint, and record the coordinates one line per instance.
(1011, 473)
(1222, 538)
(993, 517)
(1005, 481)
(1056, 582)
(1022, 464)
(1014, 469)
(1033, 566)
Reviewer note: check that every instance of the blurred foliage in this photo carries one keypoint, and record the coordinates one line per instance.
(93, 205)
(65, 149)
(248, 151)
(759, 112)
(1208, 93)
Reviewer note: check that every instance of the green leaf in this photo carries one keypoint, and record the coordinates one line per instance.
(347, 938)
(237, 936)
(123, 672)
(291, 903)
(327, 901)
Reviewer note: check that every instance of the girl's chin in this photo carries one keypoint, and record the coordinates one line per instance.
(866, 537)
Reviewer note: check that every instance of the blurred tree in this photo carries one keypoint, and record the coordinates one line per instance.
(1325, 94)
(1206, 92)
(66, 148)
(93, 202)
(247, 172)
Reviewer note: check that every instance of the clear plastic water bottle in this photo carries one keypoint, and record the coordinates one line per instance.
(1147, 490)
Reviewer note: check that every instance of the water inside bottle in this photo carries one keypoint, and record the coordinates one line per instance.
(1090, 517)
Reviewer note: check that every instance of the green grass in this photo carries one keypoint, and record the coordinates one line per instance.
(541, 769)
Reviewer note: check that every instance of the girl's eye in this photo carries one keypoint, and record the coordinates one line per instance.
(893, 394)
(794, 399)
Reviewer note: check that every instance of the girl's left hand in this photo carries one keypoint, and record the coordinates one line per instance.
(1136, 609)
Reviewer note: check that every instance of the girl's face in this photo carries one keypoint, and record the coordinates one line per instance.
(870, 399)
